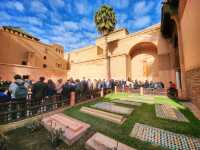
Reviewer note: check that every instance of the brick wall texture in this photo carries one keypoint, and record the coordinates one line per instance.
(193, 85)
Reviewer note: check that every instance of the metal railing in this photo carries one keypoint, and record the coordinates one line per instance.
(146, 91)
(14, 110)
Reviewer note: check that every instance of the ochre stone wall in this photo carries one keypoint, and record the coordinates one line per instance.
(7, 71)
(193, 85)
(190, 31)
(94, 69)
(40, 59)
(14, 49)
(118, 67)
(90, 61)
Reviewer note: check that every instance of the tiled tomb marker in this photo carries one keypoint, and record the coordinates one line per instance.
(115, 118)
(73, 129)
(127, 102)
(167, 112)
(101, 142)
(164, 138)
(113, 108)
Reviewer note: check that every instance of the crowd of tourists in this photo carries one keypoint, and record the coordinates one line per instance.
(22, 87)
(23, 90)
(147, 84)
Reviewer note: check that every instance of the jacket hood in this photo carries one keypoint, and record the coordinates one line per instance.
(19, 81)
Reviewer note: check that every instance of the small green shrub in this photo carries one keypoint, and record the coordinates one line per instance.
(55, 136)
(34, 126)
(3, 142)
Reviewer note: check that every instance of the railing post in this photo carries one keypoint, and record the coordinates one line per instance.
(92, 94)
(141, 91)
(72, 98)
(115, 89)
(102, 94)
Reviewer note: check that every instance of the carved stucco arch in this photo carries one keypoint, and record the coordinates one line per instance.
(149, 48)
(143, 48)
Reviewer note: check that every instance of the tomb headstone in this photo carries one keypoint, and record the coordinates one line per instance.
(73, 129)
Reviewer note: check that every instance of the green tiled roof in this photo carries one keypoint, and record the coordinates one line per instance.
(18, 29)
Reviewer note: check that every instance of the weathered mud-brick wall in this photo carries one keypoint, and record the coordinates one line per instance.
(7, 71)
(193, 85)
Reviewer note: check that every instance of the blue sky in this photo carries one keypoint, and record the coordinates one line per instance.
(70, 22)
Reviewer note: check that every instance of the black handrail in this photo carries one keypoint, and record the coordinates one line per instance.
(14, 110)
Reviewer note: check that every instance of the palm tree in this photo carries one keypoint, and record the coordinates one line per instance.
(105, 21)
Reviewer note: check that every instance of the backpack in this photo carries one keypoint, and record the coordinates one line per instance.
(39, 95)
(21, 92)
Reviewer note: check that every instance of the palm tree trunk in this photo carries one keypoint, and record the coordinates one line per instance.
(107, 61)
(108, 68)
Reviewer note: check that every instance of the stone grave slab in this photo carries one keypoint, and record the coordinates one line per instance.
(111, 107)
(138, 100)
(127, 102)
(115, 118)
(167, 112)
(101, 142)
(73, 129)
(144, 97)
(164, 138)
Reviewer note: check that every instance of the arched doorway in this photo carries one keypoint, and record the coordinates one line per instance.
(143, 62)
(176, 55)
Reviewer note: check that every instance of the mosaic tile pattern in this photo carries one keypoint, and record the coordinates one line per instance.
(167, 112)
(127, 102)
(113, 108)
(164, 138)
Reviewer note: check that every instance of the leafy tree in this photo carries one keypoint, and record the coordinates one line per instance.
(105, 19)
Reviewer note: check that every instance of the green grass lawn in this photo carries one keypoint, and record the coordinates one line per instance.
(21, 139)
(142, 114)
